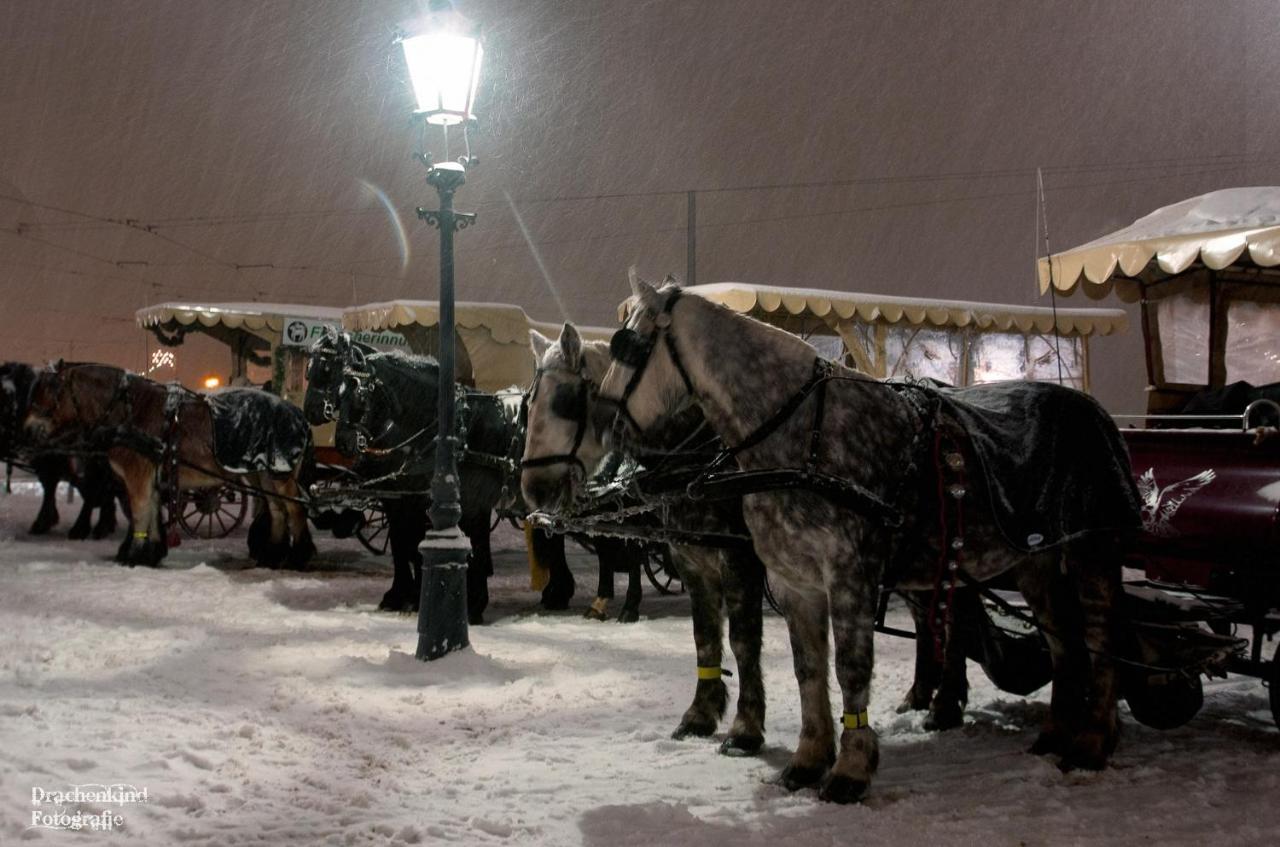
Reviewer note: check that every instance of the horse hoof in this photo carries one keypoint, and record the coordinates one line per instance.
(300, 554)
(940, 720)
(740, 746)
(843, 789)
(395, 601)
(628, 615)
(594, 614)
(476, 619)
(915, 702)
(694, 727)
(39, 528)
(554, 604)
(796, 777)
(102, 531)
(1048, 744)
(78, 533)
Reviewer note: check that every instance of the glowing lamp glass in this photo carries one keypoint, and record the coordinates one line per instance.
(445, 69)
(212, 382)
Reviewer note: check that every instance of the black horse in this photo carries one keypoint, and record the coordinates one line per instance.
(385, 409)
(91, 476)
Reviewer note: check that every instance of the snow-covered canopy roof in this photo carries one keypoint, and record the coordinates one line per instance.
(1218, 229)
(840, 306)
(495, 335)
(252, 316)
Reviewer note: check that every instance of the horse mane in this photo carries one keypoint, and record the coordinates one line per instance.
(411, 360)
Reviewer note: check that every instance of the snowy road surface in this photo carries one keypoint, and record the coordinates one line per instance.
(269, 707)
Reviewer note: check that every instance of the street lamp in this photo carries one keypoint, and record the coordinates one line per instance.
(443, 53)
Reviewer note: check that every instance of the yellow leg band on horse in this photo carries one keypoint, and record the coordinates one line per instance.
(708, 673)
(140, 536)
(857, 720)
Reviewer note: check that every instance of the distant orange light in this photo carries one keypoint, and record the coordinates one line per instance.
(212, 382)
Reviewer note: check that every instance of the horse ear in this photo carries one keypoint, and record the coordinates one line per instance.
(540, 343)
(571, 346)
(644, 292)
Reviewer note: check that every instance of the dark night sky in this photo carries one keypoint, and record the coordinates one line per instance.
(152, 150)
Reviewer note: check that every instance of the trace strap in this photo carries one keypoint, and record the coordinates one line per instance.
(712, 485)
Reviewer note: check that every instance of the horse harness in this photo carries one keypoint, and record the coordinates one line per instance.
(630, 348)
(568, 403)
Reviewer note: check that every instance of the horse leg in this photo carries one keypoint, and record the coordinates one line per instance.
(605, 551)
(103, 485)
(928, 671)
(84, 521)
(49, 472)
(853, 596)
(259, 530)
(742, 575)
(275, 550)
(548, 550)
(145, 544)
(806, 616)
(479, 567)
(635, 589)
(1041, 586)
(1097, 577)
(947, 709)
(301, 547)
(402, 595)
(699, 569)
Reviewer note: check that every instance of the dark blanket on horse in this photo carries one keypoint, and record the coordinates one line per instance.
(254, 430)
(1054, 463)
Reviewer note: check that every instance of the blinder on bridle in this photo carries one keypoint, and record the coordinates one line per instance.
(567, 403)
(630, 348)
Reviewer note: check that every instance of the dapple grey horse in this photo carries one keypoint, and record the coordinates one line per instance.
(562, 446)
(827, 557)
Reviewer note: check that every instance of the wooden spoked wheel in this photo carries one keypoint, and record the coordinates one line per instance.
(661, 570)
(212, 512)
(374, 531)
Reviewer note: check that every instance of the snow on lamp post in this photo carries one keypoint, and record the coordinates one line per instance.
(443, 54)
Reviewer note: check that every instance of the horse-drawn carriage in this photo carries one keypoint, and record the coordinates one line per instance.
(268, 345)
(1206, 272)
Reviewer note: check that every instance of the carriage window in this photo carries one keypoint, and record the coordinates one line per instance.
(1043, 353)
(1183, 321)
(829, 347)
(997, 356)
(1253, 342)
(920, 353)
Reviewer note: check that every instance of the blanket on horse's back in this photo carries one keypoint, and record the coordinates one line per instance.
(254, 430)
(1053, 461)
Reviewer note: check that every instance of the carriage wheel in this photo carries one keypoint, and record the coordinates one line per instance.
(212, 512)
(662, 571)
(373, 531)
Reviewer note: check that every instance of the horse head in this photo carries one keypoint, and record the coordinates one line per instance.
(324, 376)
(384, 399)
(71, 401)
(561, 444)
(647, 381)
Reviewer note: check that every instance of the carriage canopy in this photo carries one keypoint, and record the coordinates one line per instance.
(961, 343)
(1207, 271)
(492, 350)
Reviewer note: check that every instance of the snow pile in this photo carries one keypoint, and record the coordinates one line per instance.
(264, 707)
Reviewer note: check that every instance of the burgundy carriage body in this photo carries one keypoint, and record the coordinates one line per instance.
(1218, 533)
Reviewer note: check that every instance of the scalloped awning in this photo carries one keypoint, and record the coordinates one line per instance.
(250, 316)
(506, 323)
(839, 306)
(1219, 229)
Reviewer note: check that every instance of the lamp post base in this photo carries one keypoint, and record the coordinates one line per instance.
(444, 594)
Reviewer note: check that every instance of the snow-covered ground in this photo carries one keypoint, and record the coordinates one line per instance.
(269, 707)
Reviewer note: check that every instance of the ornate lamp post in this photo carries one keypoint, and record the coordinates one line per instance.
(443, 53)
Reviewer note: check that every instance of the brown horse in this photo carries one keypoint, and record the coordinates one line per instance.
(165, 437)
